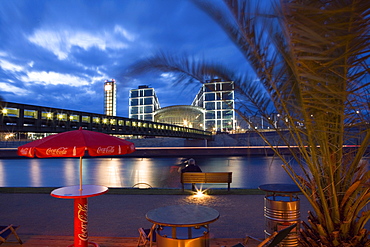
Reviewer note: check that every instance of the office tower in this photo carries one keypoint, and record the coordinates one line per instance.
(217, 98)
(110, 98)
(143, 103)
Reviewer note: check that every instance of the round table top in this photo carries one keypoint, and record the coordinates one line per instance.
(72, 192)
(183, 215)
(280, 188)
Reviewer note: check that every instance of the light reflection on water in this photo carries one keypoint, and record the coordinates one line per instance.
(161, 172)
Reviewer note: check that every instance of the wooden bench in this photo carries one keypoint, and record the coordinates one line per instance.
(206, 177)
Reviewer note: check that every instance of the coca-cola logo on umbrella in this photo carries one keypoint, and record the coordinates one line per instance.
(105, 150)
(24, 151)
(57, 151)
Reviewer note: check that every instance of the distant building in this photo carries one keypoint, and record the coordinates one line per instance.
(181, 115)
(217, 98)
(143, 103)
(110, 95)
(211, 110)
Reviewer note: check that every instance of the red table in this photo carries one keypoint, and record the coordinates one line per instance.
(80, 208)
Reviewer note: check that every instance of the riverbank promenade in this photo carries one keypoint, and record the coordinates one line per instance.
(114, 218)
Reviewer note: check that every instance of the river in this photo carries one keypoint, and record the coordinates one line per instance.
(158, 172)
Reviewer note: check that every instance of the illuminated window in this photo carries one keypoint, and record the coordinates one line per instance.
(86, 119)
(108, 87)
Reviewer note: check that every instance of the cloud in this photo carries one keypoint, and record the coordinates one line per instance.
(6, 65)
(61, 42)
(53, 78)
(168, 76)
(7, 87)
(120, 30)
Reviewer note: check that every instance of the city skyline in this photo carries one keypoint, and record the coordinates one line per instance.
(51, 58)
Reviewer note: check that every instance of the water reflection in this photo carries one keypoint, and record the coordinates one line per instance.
(142, 172)
(2, 175)
(70, 171)
(248, 172)
(35, 174)
(108, 171)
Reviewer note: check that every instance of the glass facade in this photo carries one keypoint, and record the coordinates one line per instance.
(110, 98)
(181, 115)
(143, 103)
(217, 98)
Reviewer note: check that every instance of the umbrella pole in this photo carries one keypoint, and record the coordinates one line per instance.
(80, 173)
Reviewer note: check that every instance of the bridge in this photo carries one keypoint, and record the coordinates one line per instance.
(23, 118)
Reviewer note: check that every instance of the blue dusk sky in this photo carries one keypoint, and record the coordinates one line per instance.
(58, 53)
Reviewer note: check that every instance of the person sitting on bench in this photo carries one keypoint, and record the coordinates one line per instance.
(191, 167)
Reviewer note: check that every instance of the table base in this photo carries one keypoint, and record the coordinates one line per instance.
(182, 237)
(89, 243)
(80, 222)
(193, 242)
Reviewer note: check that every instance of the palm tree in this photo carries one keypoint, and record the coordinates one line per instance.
(310, 63)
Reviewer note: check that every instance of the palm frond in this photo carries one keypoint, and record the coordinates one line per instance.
(311, 66)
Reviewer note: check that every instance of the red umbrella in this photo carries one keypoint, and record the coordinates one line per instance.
(74, 144)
